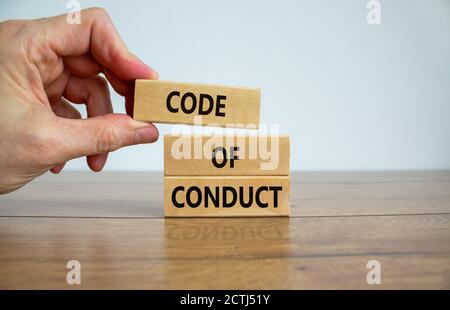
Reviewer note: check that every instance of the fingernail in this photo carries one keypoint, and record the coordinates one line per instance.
(57, 169)
(155, 73)
(145, 135)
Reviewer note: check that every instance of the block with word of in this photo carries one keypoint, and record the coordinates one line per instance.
(196, 104)
(209, 155)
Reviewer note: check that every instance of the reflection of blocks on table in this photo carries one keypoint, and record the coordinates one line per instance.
(214, 176)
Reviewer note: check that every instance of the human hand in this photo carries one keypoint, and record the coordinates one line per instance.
(46, 63)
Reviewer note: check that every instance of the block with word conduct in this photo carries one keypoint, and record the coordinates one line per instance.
(218, 176)
(196, 104)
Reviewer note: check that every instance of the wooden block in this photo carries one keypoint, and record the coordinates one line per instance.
(226, 155)
(226, 196)
(196, 104)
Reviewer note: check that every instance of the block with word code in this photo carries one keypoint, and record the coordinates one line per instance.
(229, 196)
(223, 155)
(196, 104)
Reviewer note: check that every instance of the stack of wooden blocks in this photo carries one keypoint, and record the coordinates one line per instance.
(216, 175)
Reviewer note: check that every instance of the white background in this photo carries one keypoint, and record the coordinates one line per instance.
(352, 96)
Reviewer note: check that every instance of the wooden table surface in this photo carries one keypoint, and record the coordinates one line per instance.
(113, 224)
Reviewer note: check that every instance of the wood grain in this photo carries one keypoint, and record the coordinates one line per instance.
(258, 253)
(137, 194)
(256, 155)
(113, 224)
(241, 106)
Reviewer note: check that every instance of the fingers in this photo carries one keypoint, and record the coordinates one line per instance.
(66, 110)
(94, 92)
(122, 88)
(97, 36)
(58, 168)
(88, 48)
(83, 65)
(95, 46)
(99, 135)
(55, 89)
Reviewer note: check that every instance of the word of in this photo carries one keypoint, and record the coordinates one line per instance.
(225, 158)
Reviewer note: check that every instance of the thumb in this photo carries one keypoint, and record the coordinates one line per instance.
(100, 134)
